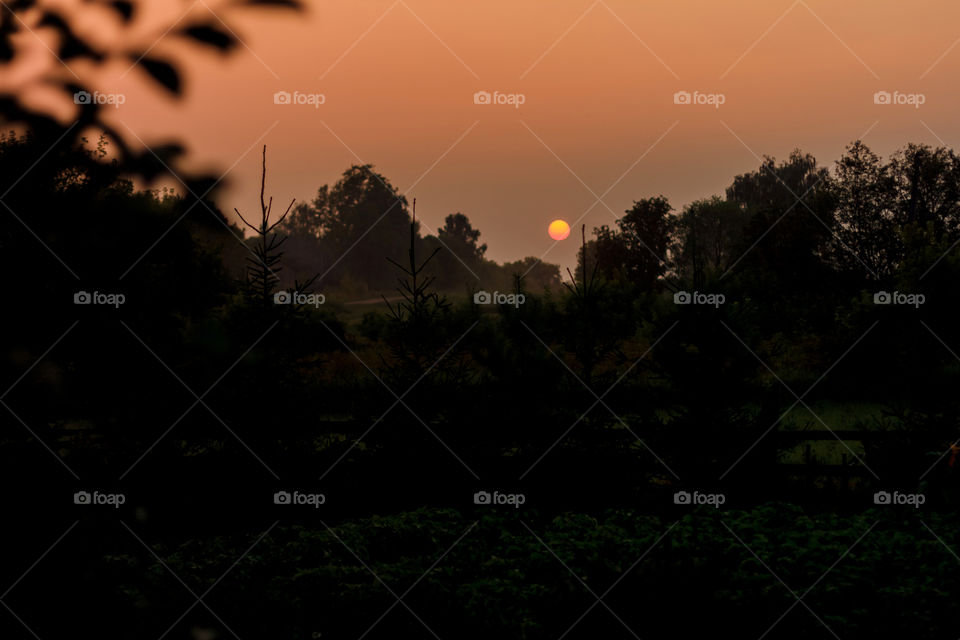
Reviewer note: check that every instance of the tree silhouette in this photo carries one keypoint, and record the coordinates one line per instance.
(263, 266)
(415, 338)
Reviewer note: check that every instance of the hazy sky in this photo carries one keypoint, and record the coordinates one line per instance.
(598, 81)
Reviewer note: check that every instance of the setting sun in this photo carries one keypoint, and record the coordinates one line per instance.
(559, 230)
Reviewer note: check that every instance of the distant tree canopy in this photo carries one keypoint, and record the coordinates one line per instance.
(708, 233)
(460, 237)
(636, 251)
(865, 212)
(355, 224)
(791, 223)
(350, 229)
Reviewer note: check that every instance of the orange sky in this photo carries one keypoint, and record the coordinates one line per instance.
(598, 80)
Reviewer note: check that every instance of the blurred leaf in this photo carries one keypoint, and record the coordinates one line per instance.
(73, 47)
(51, 19)
(163, 72)
(124, 8)
(70, 45)
(156, 160)
(7, 28)
(6, 50)
(210, 35)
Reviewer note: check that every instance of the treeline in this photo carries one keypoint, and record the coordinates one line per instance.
(796, 222)
(349, 229)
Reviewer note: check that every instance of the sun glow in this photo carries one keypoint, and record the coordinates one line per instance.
(559, 230)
